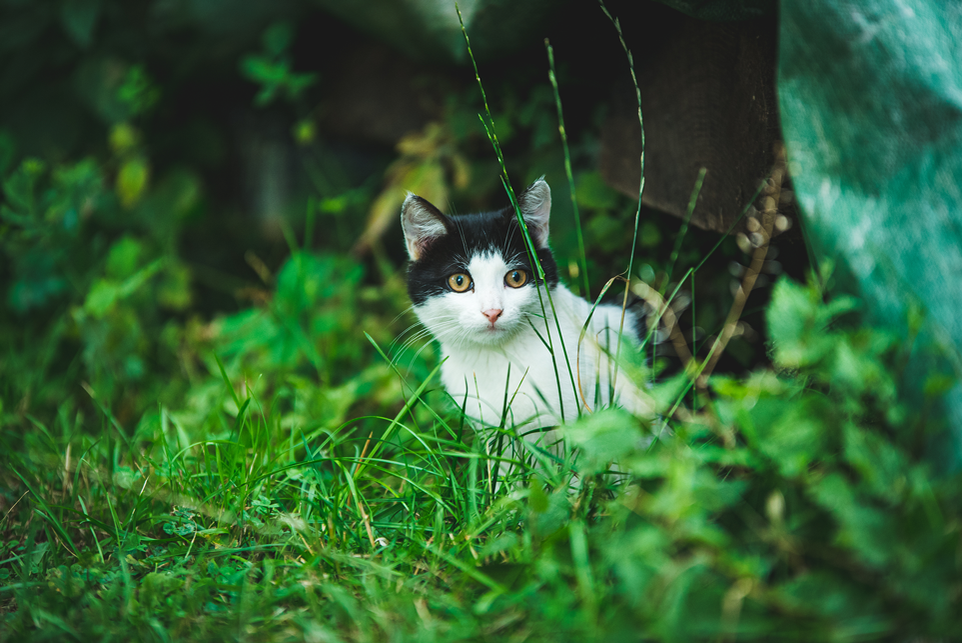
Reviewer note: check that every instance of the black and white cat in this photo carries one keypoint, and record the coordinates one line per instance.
(475, 289)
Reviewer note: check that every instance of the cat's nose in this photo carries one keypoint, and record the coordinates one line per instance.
(492, 314)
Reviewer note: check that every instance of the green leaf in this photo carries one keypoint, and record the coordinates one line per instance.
(537, 498)
(794, 433)
(124, 258)
(138, 91)
(101, 297)
(132, 181)
(79, 17)
(797, 320)
(18, 190)
(106, 292)
(174, 289)
(867, 531)
(883, 467)
(604, 437)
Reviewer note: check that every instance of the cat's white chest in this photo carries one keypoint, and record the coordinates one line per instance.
(515, 381)
(542, 376)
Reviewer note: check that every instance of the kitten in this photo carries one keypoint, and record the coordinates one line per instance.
(476, 290)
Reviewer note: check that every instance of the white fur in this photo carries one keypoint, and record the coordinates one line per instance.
(478, 353)
(535, 204)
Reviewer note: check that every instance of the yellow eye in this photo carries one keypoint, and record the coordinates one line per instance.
(516, 278)
(460, 282)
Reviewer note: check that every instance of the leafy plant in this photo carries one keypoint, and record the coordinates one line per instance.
(271, 68)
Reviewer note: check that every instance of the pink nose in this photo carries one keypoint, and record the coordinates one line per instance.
(492, 314)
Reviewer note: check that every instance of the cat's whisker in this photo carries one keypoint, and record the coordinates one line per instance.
(509, 237)
(464, 242)
(409, 309)
(439, 328)
(404, 332)
(414, 339)
(420, 350)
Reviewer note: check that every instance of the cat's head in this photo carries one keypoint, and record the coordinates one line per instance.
(471, 278)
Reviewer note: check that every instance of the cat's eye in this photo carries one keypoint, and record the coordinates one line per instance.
(516, 278)
(460, 282)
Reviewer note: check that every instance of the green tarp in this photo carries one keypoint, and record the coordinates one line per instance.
(870, 94)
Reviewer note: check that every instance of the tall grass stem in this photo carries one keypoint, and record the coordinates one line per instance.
(582, 254)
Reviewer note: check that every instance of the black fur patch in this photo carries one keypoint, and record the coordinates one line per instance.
(470, 235)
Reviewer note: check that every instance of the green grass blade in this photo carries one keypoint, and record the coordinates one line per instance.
(684, 226)
(571, 180)
(397, 420)
(230, 386)
(47, 514)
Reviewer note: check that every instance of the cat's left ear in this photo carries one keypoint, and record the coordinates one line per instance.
(535, 204)
(422, 223)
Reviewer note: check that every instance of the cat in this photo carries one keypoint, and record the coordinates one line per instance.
(474, 287)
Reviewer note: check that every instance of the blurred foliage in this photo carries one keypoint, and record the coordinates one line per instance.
(271, 69)
(794, 504)
(799, 505)
(88, 267)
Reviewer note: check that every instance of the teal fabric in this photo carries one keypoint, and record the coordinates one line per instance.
(870, 94)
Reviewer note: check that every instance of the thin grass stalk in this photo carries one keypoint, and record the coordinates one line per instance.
(694, 346)
(655, 300)
(684, 226)
(754, 269)
(641, 182)
(577, 533)
(661, 305)
(404, 382)
(731, 229)
(694, 339)
(698, 376)
(396, 421)
(692, 271)
(571, 180)
(529, 244)
(668, 300)
(581, 337)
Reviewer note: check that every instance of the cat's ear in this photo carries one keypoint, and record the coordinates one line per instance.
(535, 204)
(422, 223)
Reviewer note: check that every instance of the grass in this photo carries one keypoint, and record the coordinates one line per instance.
(259, 533)
(395, 528)
(244, 514)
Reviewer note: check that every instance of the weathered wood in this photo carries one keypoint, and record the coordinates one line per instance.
(708, 98)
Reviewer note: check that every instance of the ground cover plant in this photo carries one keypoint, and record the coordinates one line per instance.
(287, 468)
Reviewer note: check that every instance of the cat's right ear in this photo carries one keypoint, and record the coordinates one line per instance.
(535, 204)
(422, 223)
